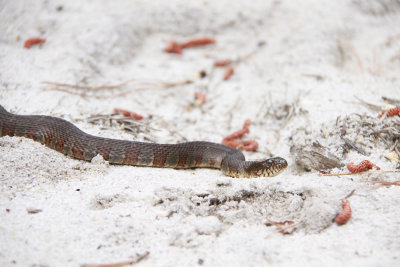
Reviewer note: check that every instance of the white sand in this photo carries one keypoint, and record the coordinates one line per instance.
(194, 217)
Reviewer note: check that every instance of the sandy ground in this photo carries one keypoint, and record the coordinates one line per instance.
(301, 68)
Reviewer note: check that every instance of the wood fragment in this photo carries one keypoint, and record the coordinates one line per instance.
(33, 210)
(315, 157)
(397, 150)
(353, 145)
(393, 156)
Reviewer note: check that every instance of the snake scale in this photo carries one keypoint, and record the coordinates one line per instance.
(66, 138)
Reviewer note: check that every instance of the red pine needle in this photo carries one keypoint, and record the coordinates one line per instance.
(33, 41)
(198, 42)
(361, 167)
(228, 73)
(345, 214)
(239, 133)
(391, 112)
(174, 47)
(128, 113)
(200, 98)
(222, 63)
(248, 145)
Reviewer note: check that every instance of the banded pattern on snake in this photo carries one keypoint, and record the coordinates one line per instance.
(66, 138)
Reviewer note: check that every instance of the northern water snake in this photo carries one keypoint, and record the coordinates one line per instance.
(66, 138)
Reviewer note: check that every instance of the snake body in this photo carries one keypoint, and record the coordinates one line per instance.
(66, 138)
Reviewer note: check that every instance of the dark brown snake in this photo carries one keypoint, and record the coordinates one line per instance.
(66, 138)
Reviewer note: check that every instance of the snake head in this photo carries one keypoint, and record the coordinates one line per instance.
(269, 167)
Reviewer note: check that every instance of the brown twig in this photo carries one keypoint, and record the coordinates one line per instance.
(121, 263)
(344, 44)
(83, 95)
(285, 227)
(343, 174)
(83, 90)
(369, 105)
(391, 100)
(384, 183)
(87, 87)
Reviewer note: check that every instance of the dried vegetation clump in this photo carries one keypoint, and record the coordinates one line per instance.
(355, 132)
